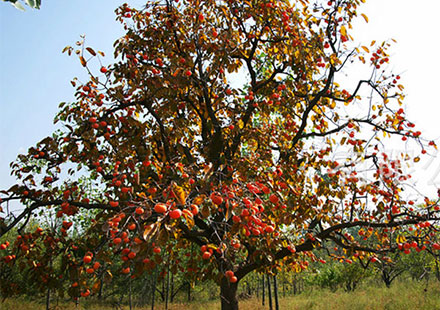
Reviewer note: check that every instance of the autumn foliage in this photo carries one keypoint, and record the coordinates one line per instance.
(229, 127)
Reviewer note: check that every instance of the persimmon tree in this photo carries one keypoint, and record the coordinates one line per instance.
(229, 126)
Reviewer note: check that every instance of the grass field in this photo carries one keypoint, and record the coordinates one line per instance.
(401, 296)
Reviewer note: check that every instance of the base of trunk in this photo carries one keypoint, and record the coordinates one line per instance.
(228, 294)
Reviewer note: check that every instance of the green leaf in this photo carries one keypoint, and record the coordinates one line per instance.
(35, 4)
(18, 5)
(30, 3)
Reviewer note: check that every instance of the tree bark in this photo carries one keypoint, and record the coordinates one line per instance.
(153, 289)
(129, 294)
(146, 291)
(48, 288)
(189, 291)
(275, 291)
(172, 288)
(269, 292)
(228, 294)
(48, 299)
(162, 293)
(386, 278)
(101, 284)
(167, 289)
(263, 287)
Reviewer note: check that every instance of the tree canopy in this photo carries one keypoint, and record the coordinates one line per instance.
(229, 126)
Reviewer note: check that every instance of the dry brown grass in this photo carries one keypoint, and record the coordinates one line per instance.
(401, 296)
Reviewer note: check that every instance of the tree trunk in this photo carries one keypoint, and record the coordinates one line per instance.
(386, 278)
(263, 286)
(146, 291)
(172, 288)
(162, 293)
(101, 284)
(189, 291)
(269, 292)
(48, 288)
(153, 289)
(275, 291)
(48, 299)
(129, 294)
(228, 295)
(167, 289)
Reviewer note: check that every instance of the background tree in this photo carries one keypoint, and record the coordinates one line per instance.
(224, 127)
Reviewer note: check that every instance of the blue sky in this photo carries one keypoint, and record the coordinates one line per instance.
(35, 76)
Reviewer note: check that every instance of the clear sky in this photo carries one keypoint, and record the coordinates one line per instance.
(35, 76)
(414, 25)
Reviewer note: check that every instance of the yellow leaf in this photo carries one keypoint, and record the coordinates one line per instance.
(141, 195)
(176, 72)
(365, 17)
(83, 61)
(91, 51)
(189, 220)
(365, 49)
(150, 231)
(199, 200)
(343, 31)
(212, 246)
(67, 48)
(205, 211)
(180, 194)
(400, 239)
